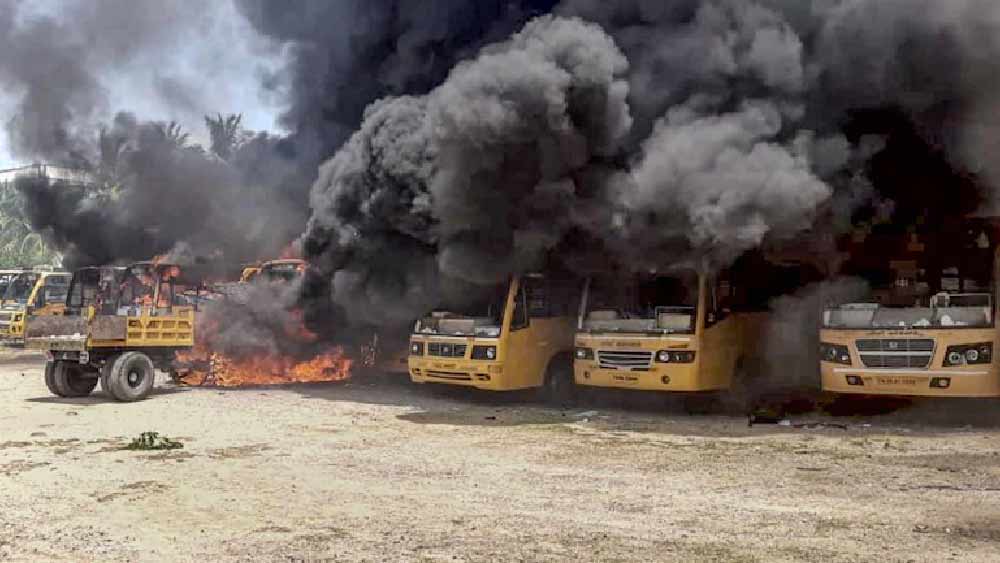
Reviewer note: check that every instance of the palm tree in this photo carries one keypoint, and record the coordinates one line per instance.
(19, 244)
(225, 133)
(171, 134)
(109, 169)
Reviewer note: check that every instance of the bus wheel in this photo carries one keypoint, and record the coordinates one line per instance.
(73, 379)
(560, 389)
(129, 377)
(50, 379)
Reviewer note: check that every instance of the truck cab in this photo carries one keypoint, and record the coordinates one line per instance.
(280, 271)
(37, 293)
(519, 335)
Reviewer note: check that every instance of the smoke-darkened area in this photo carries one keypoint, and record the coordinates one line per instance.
(662, 136)
(433, 149)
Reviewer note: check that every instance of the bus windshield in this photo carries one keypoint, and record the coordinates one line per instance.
(482, 317)
(931, 290)
(20, 288)
(659, 304)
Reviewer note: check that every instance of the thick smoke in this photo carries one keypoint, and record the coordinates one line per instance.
(790, 336)
(726, 126)
(350, 53)
(155, 193)
(154, 187)
(473, 181)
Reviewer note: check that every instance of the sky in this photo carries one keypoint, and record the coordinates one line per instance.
(213, 63)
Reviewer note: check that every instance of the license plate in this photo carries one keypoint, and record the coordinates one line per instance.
(897, 381)
(626, 378)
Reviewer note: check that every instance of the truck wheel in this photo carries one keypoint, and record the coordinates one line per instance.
(129, 377)
(73, 380)
(50, 379)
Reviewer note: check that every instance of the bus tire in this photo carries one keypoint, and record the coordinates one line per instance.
(129, 377)
(559, 388)
(50, 379)
(72, 379)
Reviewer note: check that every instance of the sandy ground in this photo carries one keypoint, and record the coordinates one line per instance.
(377, 469)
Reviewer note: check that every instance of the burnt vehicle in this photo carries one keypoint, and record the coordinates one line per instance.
(119, 326)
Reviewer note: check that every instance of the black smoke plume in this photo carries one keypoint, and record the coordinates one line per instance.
(657, 134)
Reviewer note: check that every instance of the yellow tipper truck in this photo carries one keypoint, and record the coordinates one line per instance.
(119, 324)
(521, 337)
(38, 293)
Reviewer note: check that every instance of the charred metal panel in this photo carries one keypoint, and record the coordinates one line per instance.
(55, 326)
(108, 327)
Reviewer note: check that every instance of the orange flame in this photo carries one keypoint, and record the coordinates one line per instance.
(208, 367)
(224, 371)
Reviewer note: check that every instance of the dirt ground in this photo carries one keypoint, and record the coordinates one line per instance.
(377, 469)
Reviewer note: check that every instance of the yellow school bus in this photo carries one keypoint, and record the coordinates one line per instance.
(663, 332)
(927, 327)
(520, 336)
(36, 293)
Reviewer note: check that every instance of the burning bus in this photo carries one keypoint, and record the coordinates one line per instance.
(928, 326)
(680, 330)
(519, 337)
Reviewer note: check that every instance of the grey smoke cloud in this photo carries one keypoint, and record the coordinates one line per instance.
(474, 180)
(68, 65)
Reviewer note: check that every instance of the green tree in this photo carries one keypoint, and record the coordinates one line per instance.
(19, 244)
(225, 132)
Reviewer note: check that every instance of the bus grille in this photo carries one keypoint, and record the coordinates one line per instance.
(896, 352)
(616, 359)
(446, 350)
(451, 375)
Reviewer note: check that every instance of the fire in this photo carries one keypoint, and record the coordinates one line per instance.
(292, 251)
(224, 371)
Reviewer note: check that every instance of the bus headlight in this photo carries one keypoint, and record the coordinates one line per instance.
(981, 353)
(416, 348)
(835, 353)
(682, 357)
(584, 354)
(484, 352)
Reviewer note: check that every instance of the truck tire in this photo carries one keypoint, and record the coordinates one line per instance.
(72, 379)
(50, 379)
(128, 377)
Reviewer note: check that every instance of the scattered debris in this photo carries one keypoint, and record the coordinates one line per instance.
(815, 425)
(153, 441)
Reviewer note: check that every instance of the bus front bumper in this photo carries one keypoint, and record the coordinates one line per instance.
(917, 383)
(480, 374)
(659, 377)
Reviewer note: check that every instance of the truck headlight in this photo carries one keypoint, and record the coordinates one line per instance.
(416, 348)
(584, 354)
(484, 352)
(963, 354)
(835, 353)
(663, 356)
(685, 357)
